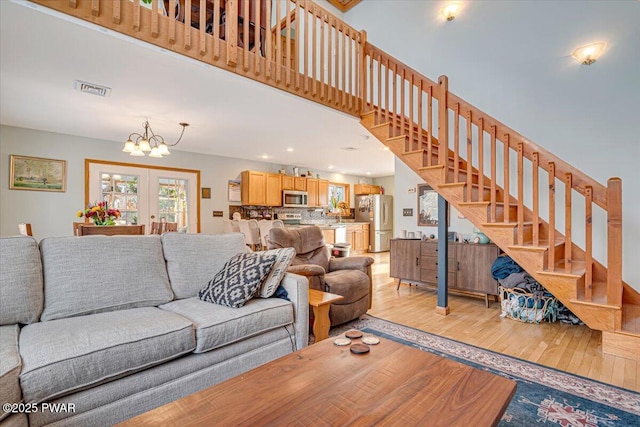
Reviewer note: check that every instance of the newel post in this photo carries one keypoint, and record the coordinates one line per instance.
(614, 241)
(231, 31)
(443, 123)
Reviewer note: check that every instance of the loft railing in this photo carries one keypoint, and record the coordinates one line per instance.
(299, 47)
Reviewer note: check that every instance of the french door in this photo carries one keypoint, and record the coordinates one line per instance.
(145, 195)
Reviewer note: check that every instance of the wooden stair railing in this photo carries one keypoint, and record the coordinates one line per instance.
(401, 102)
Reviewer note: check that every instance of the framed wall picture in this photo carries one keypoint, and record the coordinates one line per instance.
(37, 173)
(427, 205)
(234, 191)
(206, 192)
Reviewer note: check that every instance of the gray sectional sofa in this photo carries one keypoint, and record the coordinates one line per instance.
(112, 326)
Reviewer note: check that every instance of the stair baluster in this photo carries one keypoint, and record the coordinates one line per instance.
(480, 159)
(494, 175)
(506, 198)
(536, 202)
(552, 215)
(567, 225)
(469, 157)
(588, 278)
(614, 237)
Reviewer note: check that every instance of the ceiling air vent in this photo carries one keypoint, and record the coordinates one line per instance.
(92, 88)
(349, 148)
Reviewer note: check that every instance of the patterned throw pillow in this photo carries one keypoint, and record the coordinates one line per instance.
(284, 256)
(239, 279)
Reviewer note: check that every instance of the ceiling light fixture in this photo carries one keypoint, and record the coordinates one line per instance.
(143, 143)
(450, 10)
(588, 54)
(289, 149)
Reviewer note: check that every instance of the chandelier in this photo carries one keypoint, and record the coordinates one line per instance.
(149, 142)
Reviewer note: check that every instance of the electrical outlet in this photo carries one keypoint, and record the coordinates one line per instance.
(407, 212)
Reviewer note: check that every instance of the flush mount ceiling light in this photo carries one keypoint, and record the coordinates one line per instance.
(450, 10)
(143, 143)
(588, 54)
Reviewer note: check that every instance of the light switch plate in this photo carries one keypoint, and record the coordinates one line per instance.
(407, 212)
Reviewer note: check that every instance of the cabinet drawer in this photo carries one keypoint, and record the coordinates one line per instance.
(431, 249)
(431, 276)
(431, 262)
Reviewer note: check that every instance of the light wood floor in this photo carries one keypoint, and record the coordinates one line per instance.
(570, 348)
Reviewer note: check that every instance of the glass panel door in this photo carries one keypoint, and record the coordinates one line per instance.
(145, 195)
(175, 198)
(123, 188)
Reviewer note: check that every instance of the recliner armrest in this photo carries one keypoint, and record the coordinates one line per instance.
(306, 270)
(351, 263)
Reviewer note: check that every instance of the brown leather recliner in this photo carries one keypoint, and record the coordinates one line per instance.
(349, 277)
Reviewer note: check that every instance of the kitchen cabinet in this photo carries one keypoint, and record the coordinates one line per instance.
(261, 189)
(360, 189)
(469, 266)
(253, 188)
(318, 190)
(287, 182)
(329, 235)
(273, 189)
(312, 190)
(358, 237)
(299, 183)
(323, 192)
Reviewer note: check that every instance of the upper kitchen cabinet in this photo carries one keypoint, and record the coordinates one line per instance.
(361, 189)
(288, 182)
(318, 190)
(274, 189)
(261, 189)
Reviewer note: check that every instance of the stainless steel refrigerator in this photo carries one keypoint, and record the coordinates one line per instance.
(377, 210)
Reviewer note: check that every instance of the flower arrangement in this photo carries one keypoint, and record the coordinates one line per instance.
(100, 214)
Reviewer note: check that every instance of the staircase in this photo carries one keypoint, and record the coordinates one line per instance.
(520, 195)
(595, 294)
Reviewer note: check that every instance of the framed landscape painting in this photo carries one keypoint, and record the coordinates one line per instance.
(36, 173)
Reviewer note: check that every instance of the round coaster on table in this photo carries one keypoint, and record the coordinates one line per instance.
(353, 333)
(371, 340)
(342, 341)
(359, 349)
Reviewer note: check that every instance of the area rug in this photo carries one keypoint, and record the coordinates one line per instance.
(544, 396)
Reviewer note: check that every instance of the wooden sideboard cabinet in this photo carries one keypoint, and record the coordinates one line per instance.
(469, 266)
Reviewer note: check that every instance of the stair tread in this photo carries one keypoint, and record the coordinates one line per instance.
(543, 245)
(577, 269)
(486, 203)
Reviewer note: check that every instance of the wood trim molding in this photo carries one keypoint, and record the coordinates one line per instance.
(88, 162)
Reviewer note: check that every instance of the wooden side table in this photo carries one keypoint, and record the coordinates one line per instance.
(321, 302)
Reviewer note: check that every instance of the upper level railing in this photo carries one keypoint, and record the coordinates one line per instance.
(299, 47)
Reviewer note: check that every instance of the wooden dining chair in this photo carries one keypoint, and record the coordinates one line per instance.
(77, 225)
(25, 229)
(163, 227)
(111, 230)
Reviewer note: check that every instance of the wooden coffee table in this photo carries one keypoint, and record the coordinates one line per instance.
(327, 385)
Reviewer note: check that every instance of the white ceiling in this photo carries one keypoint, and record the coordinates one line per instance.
(42, 54)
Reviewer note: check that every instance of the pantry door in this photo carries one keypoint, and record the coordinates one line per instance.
(145, 195)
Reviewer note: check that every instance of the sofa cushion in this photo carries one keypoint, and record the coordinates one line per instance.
(193, 259)
(66, 355)
(239, 279)
(93, 274)
(217, 325)
(351, 284)
(10, 365)
(284, 256)
(21, 294)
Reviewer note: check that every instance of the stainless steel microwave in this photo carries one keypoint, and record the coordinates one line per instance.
(295, 199)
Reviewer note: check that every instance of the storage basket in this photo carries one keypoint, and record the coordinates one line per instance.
(520, 305)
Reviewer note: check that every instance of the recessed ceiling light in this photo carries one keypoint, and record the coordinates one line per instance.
(289, 149)
(386, 148)
(330, 166)
(265, 156)
(343, 171)
(368, 173)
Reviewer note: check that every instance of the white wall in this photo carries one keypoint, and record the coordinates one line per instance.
(52, 213)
